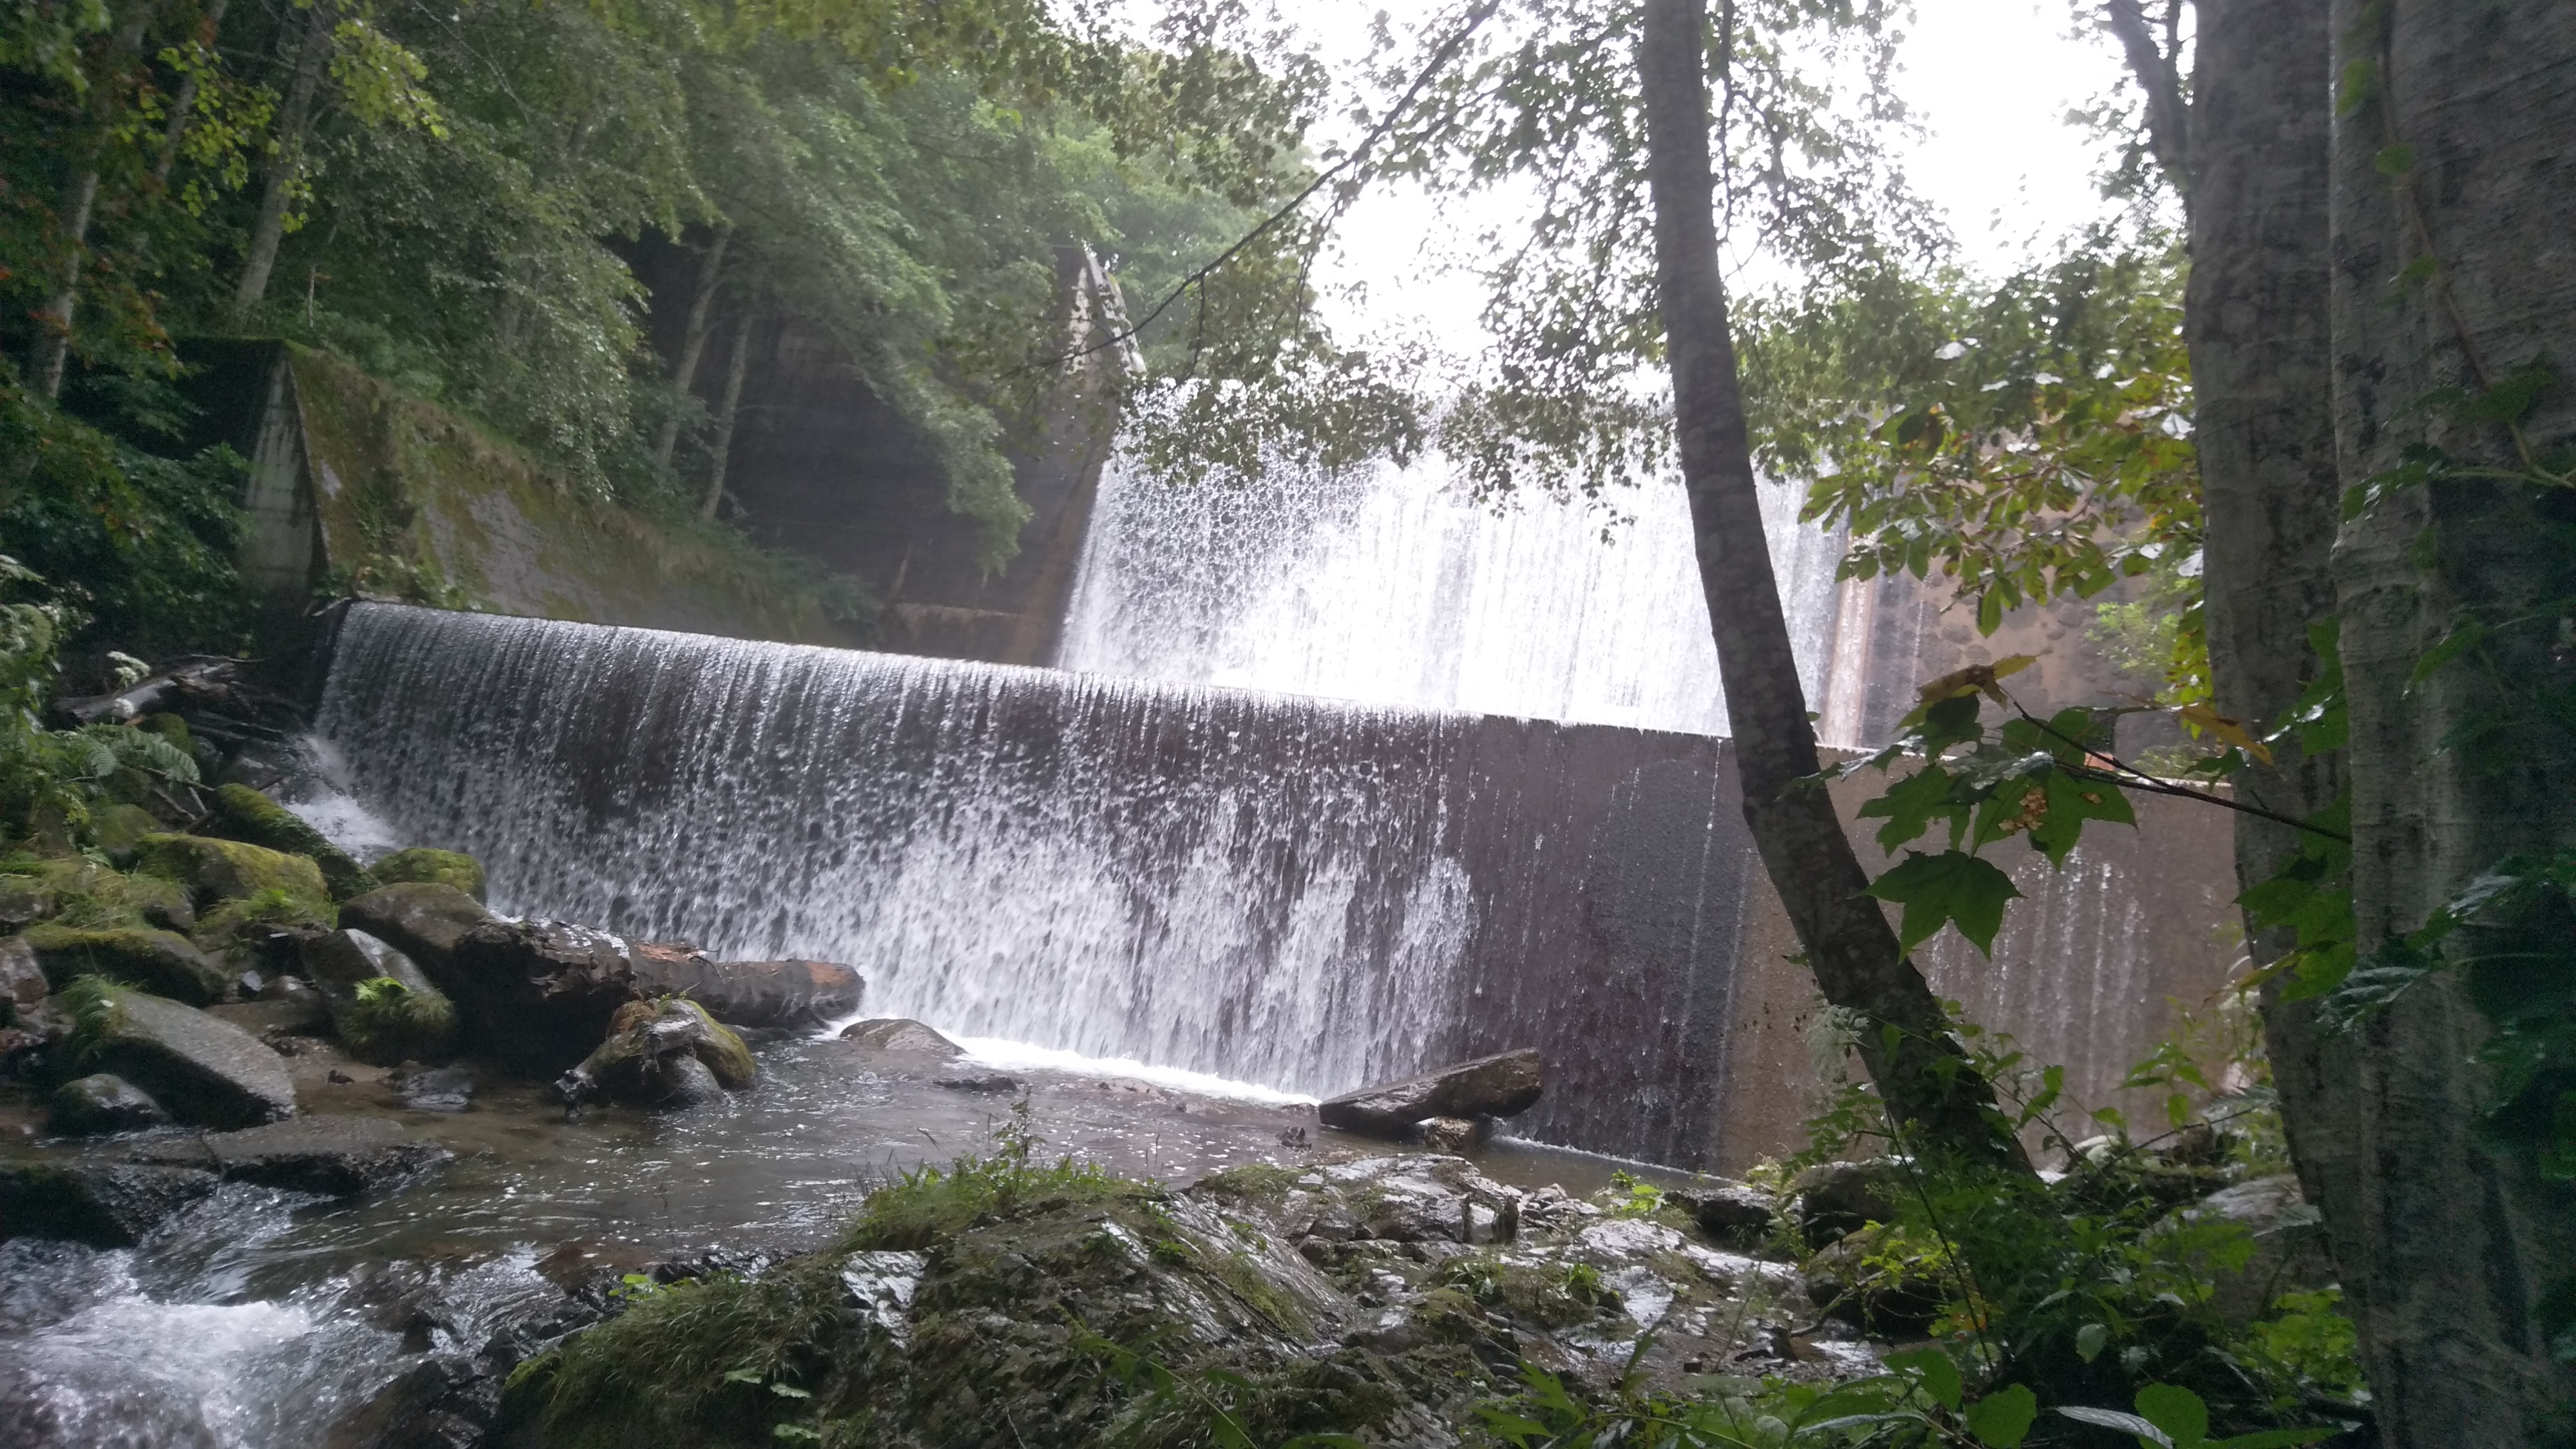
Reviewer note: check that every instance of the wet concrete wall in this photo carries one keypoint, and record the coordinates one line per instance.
(1302, 892)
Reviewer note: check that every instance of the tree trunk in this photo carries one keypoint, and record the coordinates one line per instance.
(53, 350)
(186, 100)
(2256, 319)
(2450, 1245)
(726, 412)
(1848, 942)
(295, 121)
(693, 341)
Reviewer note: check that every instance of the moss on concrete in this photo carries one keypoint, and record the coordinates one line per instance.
(423, 866)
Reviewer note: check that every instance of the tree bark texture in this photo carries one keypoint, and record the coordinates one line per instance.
(693, 339)
(728, 410)
(1848, 942)
(295, 122)
(2449, 1245)
(2257, 321)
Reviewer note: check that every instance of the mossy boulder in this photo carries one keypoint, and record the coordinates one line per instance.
(216, 870)
(77, 891)
(244, 814)
(424, 920)
(157, 961)
(665, 1053)
(204, 1072)
(383, 1008)
(424, 866)
(119, 828)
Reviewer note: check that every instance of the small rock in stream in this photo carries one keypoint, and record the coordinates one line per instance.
(977, 1082)
(111, 1206)
(101, 1103)
(443, 1089)
(1496, 1086)
(335, 1156)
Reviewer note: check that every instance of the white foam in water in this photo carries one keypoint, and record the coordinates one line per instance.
(1388, 585)
(1020, 1056)
(323, 801)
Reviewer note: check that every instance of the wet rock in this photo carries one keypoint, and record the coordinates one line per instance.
(977, 1082)
(767, 994)
(1495, 1086)
(424, 866)
(1728, 1213)
(280, 1014)
(335, 1156)
(442, 1089)
(2290, 1253)
(157, 961)
(1457, 1136)
(423, 920)
(244, 814)
(1834, 1199)
(383, 1007)
(536, 994)
(232, 870)
(671, 1055)
(1900, 1299)
(101, 1103)
(22, 978)
(110, 1206)
(898, 1034)
(203, 1071)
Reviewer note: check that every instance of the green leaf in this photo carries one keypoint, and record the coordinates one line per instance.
(2071, 802)
(2176, 1410)
(1935, 1370)
(2276, 1438)
(1910, 805)
(1990, 611)
(2090, 1340)
(2002, 1419)
(2148, 1434)
(1952, 887)
(2464, 635)
(789, 1391)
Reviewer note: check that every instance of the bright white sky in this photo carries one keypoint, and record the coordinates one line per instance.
(1992, 81)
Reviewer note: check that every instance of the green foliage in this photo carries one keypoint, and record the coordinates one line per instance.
(2029, 440)
(927, 1206)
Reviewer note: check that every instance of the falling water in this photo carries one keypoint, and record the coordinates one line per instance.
(1388, 584)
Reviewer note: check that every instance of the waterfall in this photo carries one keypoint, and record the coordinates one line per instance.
(1302, 893)
(1387, 584)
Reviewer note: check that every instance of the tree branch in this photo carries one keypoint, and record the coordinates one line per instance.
(2157, 71)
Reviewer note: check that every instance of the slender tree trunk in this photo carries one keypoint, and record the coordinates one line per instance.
(2451, 1245)
(693, 340)
(2257, 322)
(295, 121)
(1848, 942)
(726, 412)
(80, 203)
(186, 100)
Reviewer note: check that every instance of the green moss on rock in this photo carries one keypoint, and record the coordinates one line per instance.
(424, 866)
(244, 814)
(234, 870)
(161, 962)
(388, 1022)
(119, 828)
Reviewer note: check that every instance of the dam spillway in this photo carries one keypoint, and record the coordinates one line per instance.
(1299, 892)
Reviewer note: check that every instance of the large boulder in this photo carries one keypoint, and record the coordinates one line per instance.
(157, 961)
(233, 870)
(101, 1103)
(422, 865)
(384, 1009)
(1495, 1086)
(334, 1156)
(103, 1206)
(242, 813)
(119, 830)
(203, 1072)
(666, 1054)
(769, 994)
(1836, 1199)
(423, 919)
(901, 1036)
(535, 994)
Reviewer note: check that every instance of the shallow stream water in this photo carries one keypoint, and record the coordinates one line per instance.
(262, 1318)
